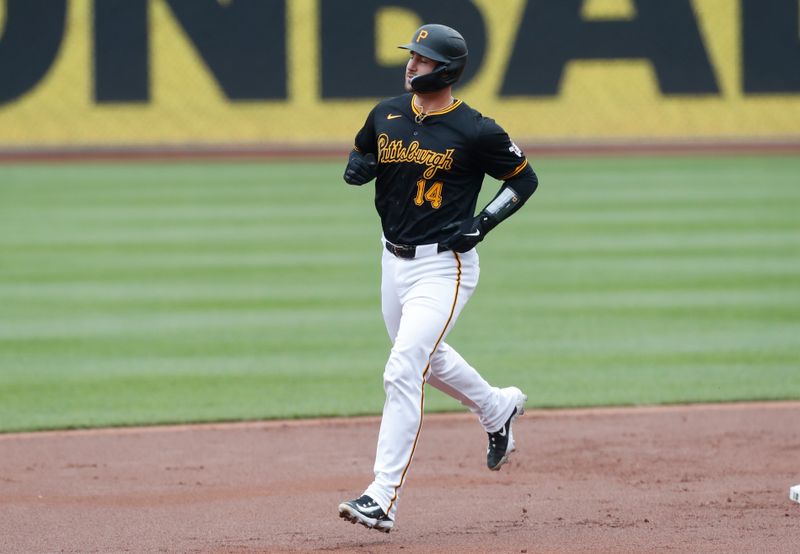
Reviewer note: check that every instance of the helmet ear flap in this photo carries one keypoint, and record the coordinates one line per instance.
(444, 75)
(430, 82)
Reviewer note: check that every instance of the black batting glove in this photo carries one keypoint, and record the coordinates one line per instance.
(468, 233)
(360, 169)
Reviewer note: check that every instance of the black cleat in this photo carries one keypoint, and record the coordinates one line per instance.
(366, 511)
(501, 443)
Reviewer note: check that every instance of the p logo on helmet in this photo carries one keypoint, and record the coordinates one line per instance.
(441, 44)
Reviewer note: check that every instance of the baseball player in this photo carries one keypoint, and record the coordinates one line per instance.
(429, 153)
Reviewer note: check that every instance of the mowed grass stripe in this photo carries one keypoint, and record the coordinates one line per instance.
(156, 293)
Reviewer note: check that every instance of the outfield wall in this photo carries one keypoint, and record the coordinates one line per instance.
(139, 73)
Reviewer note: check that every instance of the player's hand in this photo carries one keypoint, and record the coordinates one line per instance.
(467, 234)
(360, 169)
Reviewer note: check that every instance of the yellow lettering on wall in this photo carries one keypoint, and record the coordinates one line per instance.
(393, 26)
(608, 9)
(596, 100)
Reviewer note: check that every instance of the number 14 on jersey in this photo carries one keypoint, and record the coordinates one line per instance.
(432, 194)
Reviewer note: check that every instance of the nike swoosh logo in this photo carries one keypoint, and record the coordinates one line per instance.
(502, 431)
(368, 509)
(393, 116)
(475, 233)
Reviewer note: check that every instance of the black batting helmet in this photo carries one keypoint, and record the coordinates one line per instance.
(444, 45)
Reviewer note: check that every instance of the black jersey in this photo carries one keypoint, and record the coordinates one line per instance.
(430, 170)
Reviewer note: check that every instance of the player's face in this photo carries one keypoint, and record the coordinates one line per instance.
(418, 65)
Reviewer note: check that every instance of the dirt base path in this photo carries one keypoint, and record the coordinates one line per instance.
(670, 479)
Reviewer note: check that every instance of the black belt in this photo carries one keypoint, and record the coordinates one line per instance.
(406, 251)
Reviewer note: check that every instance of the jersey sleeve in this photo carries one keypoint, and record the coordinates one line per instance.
(365, 141)
(497, 154)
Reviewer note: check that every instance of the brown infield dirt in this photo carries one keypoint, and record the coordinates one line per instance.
(703, 478)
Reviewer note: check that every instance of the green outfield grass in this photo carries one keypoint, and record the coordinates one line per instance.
(155, 293)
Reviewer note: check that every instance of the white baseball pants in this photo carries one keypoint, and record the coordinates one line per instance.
(422, 299)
